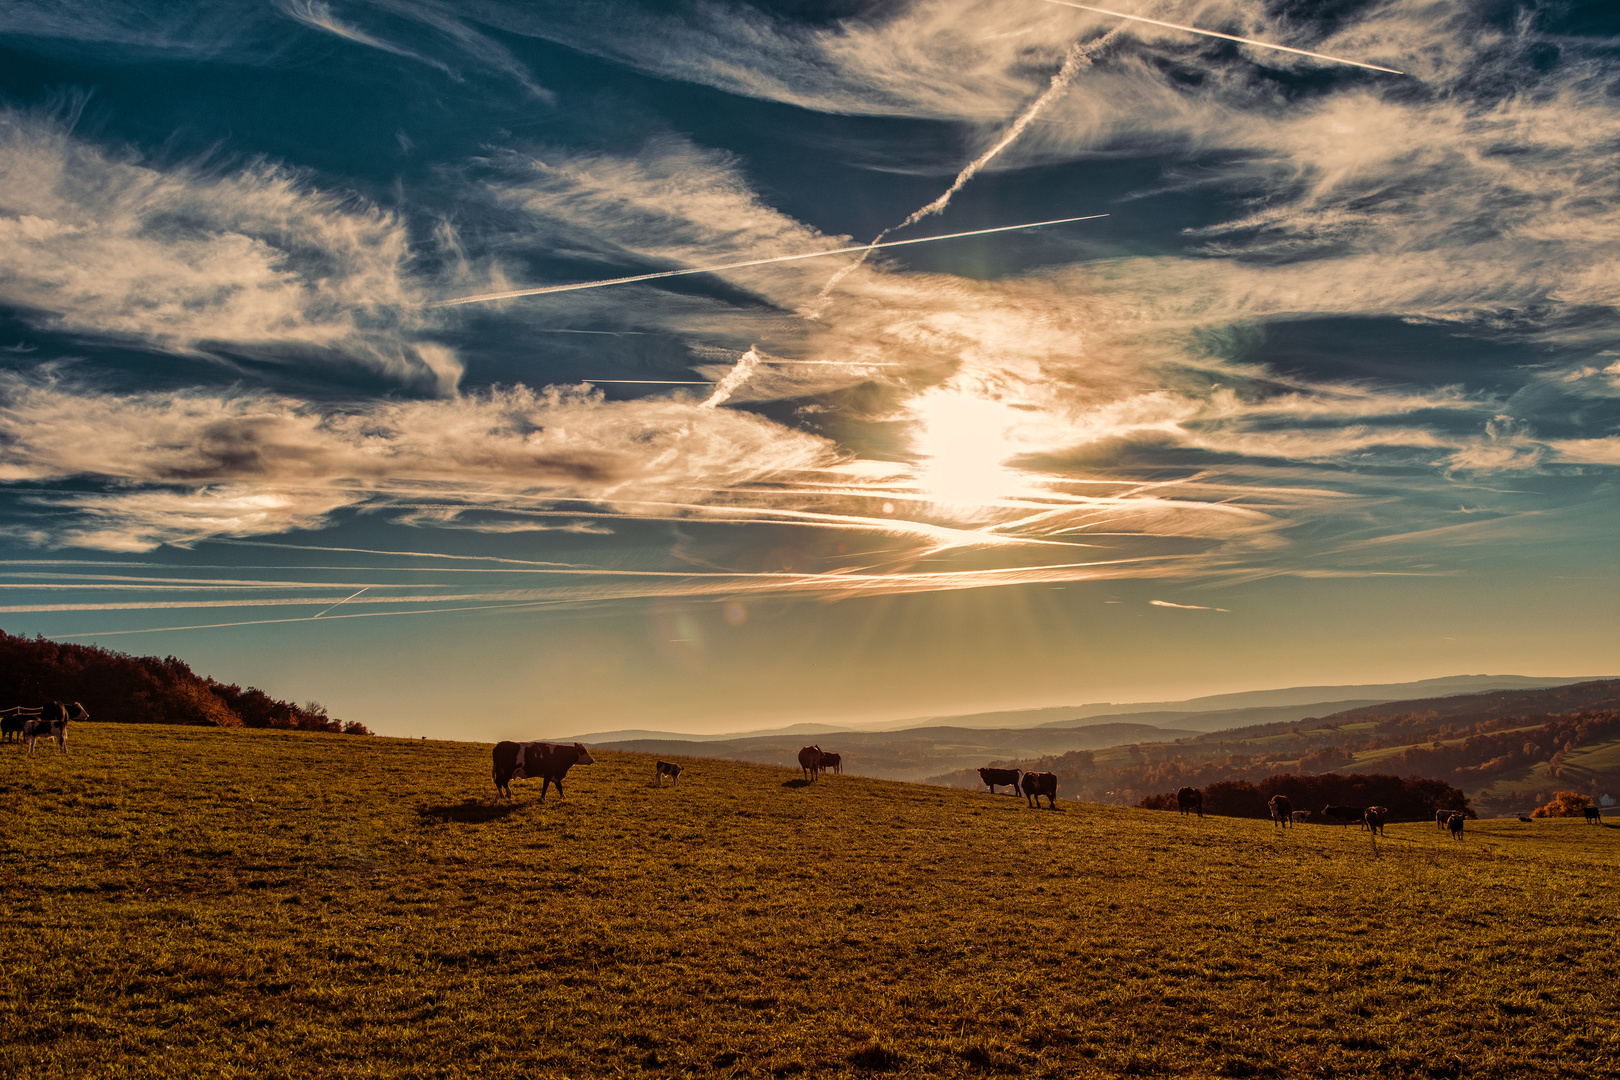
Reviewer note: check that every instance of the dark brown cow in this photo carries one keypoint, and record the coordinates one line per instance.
(833, 763)
(1282, 811)
(1455, 824)
(1374, 818)
(1526, 819)
(992, 777)
(1344, 815)
(549, 761)
(810, 762)
(669, 769)
(1441, 817)
(1594, 816)
(1190, 798)
(1037, 784)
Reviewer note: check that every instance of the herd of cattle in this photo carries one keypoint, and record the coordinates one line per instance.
(49, 721)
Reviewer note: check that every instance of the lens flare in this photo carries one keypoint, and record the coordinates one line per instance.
(964, 440)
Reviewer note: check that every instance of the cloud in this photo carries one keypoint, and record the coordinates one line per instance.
(1185, 607)
(254, 262)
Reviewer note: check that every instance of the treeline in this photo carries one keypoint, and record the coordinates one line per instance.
(1411, 798)
(121, 688)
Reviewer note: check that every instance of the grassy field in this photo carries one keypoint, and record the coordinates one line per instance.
(201, 902)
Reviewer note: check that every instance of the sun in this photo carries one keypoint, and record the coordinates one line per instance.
(964, 441)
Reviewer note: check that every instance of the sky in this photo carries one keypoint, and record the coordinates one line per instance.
(1331, 394)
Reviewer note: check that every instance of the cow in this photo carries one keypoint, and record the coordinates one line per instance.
(833, 763)
(1344, 815)
(1443, 817)
(549, 761)
(1594, 816)
(810, 762)
(663, 769)
(52, 724)
(1037, 784)
(992, 777)
(1281, 810)
(1374, 818)
(11, 727)
(1301, 817)
(1455, 824)
(1526, 819)
(1190, 798)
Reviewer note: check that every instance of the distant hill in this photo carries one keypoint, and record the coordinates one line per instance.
(1509, 750)
(119, 688)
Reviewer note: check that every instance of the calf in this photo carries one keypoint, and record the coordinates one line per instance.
(1037, 784)
(1594, 816)
(11, 727)
(992, 777)
(833, 763)
(1301, 817)
(1189, 798)
(1281, 810)
(1374, 818)
(665, 768)
(1455, 824)
(549, 761)
(34, 730)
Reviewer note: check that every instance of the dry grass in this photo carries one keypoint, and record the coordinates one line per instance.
(182, 901)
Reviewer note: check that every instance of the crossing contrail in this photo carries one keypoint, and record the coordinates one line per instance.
(545, 289)
(1227, 37)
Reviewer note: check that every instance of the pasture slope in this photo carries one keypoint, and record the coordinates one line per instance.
(184, 901)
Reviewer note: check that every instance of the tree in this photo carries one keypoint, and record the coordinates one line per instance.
(1564, 804)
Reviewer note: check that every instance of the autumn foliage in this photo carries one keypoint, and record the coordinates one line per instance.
(1564, 804)
(121, 688)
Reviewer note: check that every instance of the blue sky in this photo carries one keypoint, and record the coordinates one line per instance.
(1331, 395)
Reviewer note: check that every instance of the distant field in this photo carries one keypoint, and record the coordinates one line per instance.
(202, 902)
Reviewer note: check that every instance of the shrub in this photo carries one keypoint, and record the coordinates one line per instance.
(1564, 804)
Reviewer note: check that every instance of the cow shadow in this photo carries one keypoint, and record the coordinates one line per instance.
(796, 783)
(470, 812)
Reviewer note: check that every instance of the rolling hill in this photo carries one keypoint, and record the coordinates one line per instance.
(196, 901)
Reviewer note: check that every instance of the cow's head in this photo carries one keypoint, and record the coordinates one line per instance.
(584, 757)
(76, 711)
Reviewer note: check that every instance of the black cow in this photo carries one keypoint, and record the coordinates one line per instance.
(1344, 815)
(11, 727)
(1037, 784)
(1190, 798)
(1455, 824)
(1594, 816)
(663, 769)
(992, 777)
(549, 761)
(1282, 811)
(1525, 819)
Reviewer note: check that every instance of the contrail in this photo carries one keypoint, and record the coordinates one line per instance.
(545, 289)
(1227, 37)
(746, 363)
(340, 603)
(1077, 56)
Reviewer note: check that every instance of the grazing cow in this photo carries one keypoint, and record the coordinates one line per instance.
(665, 768)
(1344, 815)
(11, 727)
(549, 761)
(1301, 817)
(1374, 819)
(1037, 784)
(833, 763)
(992, 777)
(810, 762)
(1189, 798)
(1281, 810)
(1455, 824)
(1594, 816)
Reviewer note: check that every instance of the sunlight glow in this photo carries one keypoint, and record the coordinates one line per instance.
(964, 439)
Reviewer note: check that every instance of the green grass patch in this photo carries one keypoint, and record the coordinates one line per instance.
(190, 901)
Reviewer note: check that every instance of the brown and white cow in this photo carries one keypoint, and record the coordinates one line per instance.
(1189, 798)
(52, 724)
(1374, 819)
(830, 762)
(669, 769)
(1301, 817)
(548, 761)
(1282, 811)
(810, 762)
(1036, 784)
(992, 777)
